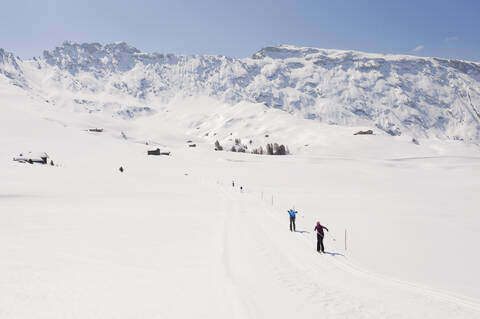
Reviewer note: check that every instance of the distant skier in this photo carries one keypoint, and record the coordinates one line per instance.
(241, 189)
(233, 183)
(121, 169)
(319, 229)
(292, 214)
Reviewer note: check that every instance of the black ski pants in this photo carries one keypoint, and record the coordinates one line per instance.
(292, 223)
(320, 243)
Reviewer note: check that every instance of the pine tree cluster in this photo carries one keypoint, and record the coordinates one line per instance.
(270, 149)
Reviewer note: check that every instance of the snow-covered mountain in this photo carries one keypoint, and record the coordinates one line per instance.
(10, 69)
(204, 233)
(415, 96)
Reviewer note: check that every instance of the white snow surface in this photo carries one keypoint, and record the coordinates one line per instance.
(171, 238)
(397, 94)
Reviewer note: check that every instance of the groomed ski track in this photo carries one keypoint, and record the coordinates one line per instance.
(254, 232)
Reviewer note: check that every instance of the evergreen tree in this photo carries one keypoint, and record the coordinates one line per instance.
(218, 147)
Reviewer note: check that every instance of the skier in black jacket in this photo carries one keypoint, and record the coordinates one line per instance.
(319, 229)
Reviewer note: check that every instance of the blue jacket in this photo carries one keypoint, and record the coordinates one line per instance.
(292, 212)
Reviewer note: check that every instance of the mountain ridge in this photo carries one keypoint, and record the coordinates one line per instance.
(398, 94)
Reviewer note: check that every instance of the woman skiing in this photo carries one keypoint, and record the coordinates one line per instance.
(319, 229)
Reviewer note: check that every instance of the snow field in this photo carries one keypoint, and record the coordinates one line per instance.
(171, 238)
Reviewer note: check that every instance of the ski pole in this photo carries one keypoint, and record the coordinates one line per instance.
(333, 238)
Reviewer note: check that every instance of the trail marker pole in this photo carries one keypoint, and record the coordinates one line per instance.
(345, 239)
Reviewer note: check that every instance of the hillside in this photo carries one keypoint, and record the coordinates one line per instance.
(170, 237)
(399, 95)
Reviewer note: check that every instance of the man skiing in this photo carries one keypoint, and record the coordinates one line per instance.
(292, 214)
(319, 229)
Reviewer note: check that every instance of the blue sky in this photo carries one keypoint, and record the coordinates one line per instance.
(442, 28)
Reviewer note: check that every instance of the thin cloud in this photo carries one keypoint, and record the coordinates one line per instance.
(450, 39)
(418, 48)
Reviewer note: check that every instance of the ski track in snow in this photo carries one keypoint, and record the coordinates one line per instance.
(301, 276)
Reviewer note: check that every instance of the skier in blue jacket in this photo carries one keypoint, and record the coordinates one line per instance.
(292, 214)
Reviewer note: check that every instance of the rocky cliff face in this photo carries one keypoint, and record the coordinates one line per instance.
(425, 97)
(11, 70)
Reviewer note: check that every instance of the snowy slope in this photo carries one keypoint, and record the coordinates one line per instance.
(170, 237)
(414, 96)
